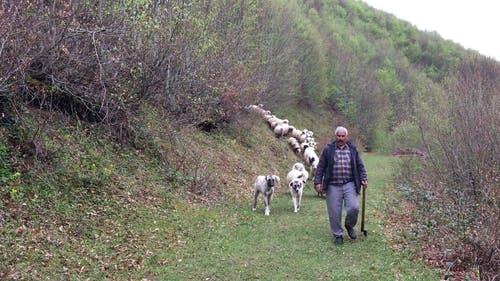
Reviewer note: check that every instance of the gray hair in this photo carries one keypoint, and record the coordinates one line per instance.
(341, 129)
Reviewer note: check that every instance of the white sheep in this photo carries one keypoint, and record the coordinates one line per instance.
(298, 166)
(281, 130)
(306, 136)
(258, 109)
(310, 157)
(294, 144)
(301, 136)
(275, 121)
(312, 143)
(309, 133)
(312, 161)
(271, 119)
(296, 133)
(298, 171)
(303, 146)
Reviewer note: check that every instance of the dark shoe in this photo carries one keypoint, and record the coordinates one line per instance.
(352, 234)
(339, 240)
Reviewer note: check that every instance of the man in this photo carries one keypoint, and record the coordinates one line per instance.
(340, 174)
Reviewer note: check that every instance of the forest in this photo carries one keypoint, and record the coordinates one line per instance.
(139, 75)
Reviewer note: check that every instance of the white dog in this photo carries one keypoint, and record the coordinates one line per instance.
(265, 185)
(296, 187)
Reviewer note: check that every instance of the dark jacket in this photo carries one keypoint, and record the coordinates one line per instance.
(325, 166)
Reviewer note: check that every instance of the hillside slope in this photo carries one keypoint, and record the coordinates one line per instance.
(106, 211)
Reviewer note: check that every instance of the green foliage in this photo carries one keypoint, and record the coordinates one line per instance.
(389, 82)
(10, 181)
(312, 85)
(405, 135)
(177, 179)
(4, 167)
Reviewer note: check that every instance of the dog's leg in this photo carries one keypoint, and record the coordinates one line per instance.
(300, 198)
(255, 197)
(267, 201)
(294, 202)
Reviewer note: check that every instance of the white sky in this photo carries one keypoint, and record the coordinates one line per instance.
(474, 24)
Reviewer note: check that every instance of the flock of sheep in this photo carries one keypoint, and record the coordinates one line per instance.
(303, 145)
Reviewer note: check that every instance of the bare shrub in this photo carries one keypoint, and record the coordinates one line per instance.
(462, 175)
(99, 61)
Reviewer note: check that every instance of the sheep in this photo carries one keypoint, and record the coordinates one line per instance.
(258, 109)
(312, 143)
(279, 122)
(298, 171)
(309, 133)
(296, 133)
(267, 117)
(306, 136)
(265, 113)
(308, 143)
(275, 121)
(294, 174)
(290, 130)
(310, 157)
(303, 146)
(271, 119)
(254, 108)
(281, 130)
(303, 136)
(298, 166)
(294, 144)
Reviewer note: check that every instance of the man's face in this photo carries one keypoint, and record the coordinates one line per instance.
(341, 138)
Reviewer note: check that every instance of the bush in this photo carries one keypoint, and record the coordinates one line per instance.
(405, 135)
(462, 171)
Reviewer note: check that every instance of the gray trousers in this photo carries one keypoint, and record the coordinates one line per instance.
(336, 196)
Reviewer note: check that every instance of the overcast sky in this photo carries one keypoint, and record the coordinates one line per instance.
(474, 24)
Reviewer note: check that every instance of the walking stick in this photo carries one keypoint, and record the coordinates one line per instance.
(363, 211)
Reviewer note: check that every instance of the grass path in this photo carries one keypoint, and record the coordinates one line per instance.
(234, 243)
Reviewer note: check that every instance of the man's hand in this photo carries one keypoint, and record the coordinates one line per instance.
(319, 187)
(364, 183)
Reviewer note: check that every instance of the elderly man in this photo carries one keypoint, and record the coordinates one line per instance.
(340, 174)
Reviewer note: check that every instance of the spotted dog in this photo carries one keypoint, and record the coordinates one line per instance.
(296, 187)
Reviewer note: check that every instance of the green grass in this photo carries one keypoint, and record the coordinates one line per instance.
(179, 241)
(105, 214)
(234, 243)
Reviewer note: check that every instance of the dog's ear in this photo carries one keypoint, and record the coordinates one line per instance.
(277, 178)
